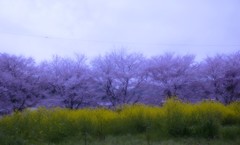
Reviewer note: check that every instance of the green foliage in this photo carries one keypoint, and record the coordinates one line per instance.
(176, 122)
(230, 132)
(174, 119)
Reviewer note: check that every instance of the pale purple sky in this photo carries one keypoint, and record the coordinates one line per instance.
(42, 28)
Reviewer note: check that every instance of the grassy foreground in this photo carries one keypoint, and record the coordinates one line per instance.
(141, 140)
(174, 123)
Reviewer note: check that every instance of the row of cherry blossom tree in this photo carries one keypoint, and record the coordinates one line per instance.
(116, 78)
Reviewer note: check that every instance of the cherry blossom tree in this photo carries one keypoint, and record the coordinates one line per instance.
(116, 78)
(172, 75)
(18, 82)
(68, 80)
(120, 77)
(222, 74)
(232, 79)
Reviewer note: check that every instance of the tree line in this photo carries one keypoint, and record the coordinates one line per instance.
(116, 78)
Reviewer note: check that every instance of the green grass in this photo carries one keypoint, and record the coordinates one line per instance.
(141, 140)
(178, 122)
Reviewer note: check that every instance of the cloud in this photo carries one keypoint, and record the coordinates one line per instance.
(42, 28)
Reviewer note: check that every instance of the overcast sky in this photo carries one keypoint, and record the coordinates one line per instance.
(42, 28)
